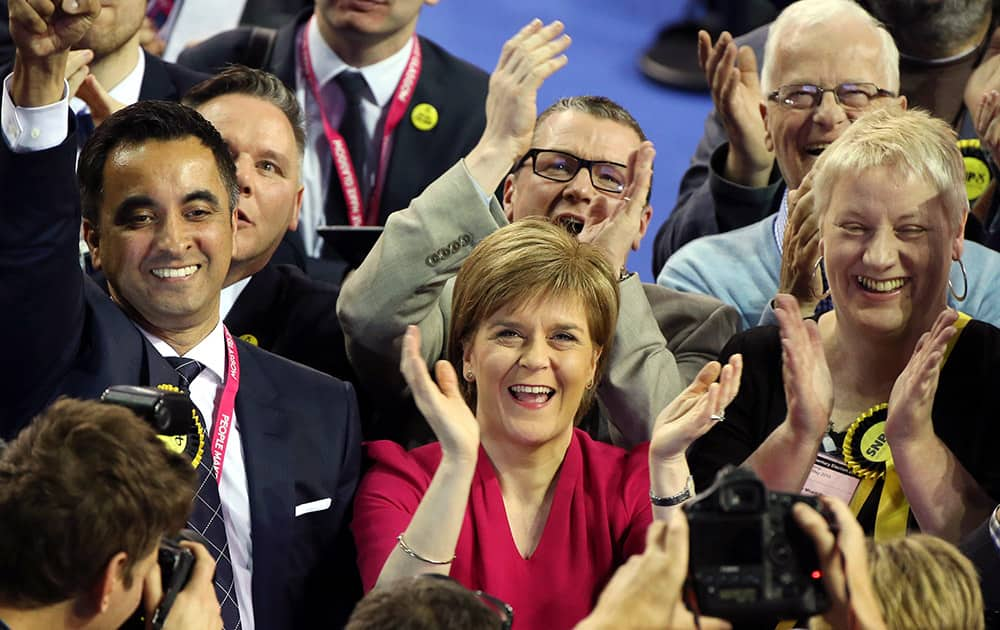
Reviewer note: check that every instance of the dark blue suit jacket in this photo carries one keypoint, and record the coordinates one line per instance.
(300, 430)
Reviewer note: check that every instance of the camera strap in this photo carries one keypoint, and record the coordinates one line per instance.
(223, 421)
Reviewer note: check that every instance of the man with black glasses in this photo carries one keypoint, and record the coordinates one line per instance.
(586, 164)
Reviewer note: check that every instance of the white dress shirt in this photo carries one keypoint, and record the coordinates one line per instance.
(229, 296)
(206, 390)
(196, 20)
(125, 92)
(382, 79)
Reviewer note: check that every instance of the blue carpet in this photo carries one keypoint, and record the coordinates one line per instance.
(607, 37)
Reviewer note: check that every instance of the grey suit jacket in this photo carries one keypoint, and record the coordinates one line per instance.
(663, 337)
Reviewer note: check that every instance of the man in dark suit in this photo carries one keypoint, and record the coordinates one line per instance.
(443, 118)
(159, 191)
(274, 306)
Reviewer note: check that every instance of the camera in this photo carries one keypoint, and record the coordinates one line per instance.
(749, 559)
(172, 415)
(176, 563)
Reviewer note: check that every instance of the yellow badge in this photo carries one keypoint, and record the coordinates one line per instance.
(424, 116)
(190, 443)
(250, 339)
(866, 450)
(977, 170)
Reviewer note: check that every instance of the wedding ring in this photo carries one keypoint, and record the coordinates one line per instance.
(718, 417)
(627, 198)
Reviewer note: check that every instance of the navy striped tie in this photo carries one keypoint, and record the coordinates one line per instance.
(207, 517)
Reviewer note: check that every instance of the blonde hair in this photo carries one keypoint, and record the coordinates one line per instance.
(525, 260)
(913, 143)
(809, 13)
(924, 582)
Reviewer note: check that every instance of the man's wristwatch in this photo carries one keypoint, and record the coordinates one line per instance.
(680, 497)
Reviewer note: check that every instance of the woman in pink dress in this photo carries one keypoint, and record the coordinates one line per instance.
(513, 500)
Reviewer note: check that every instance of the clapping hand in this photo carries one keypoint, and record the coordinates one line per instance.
(695, 410)
(441, 403)
(912, 397)
(808, 385)
(799, 276)
(731, 73)
(527, 59)
(617, 225)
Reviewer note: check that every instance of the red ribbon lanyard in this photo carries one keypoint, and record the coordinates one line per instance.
(223, 422)
(356, 215)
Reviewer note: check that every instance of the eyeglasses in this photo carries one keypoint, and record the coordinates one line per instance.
(562, 167)
(848, 95)
(503, 610)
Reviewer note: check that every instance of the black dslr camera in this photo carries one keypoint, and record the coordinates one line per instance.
(170, 414)
(749, 558)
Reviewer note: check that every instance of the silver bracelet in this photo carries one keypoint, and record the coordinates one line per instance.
(413, 554)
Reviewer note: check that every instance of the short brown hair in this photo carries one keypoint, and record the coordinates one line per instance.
(82, 482)
(237, 79)
(924, 582)
(520, 262)
(422, 603)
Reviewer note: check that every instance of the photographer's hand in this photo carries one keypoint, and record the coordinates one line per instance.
(646, 590)
(843, 558)
(196, 605)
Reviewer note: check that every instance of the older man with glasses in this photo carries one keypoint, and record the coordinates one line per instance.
(826, 63)
(585, 164)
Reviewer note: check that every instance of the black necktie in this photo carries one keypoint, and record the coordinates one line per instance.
(352, 125)
(207, 517)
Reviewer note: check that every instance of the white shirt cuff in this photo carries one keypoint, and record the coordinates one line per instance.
(28, 129)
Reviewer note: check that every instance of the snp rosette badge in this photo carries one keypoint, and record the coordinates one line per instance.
(866, 449)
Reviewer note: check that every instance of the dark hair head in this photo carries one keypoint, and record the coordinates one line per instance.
(423, 603)
(83, 482)
(237, 79)
(140, 123)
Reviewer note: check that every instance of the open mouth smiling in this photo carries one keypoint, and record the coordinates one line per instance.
(533, 394)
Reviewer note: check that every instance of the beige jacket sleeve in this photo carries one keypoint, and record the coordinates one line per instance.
(405, 276)
(663, 338)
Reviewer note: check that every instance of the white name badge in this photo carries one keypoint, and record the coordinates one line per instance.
(830, 477)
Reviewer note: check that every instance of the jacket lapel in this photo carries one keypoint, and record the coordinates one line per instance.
(266, 459)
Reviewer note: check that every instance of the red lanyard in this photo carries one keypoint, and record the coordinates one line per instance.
(356, 215)
(223, 421)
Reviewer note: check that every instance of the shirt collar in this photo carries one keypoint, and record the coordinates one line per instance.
(780, 222)
(229, 296)
(127, 90)
(382, 77)
(210, 351)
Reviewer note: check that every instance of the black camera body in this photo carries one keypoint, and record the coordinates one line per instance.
(749, 559)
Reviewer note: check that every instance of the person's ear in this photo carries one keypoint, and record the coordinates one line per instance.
(508, 197)
(109, 582)
(294, 223)
(768, 140)
(92, 237)
(647, 215)
(958, 243)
